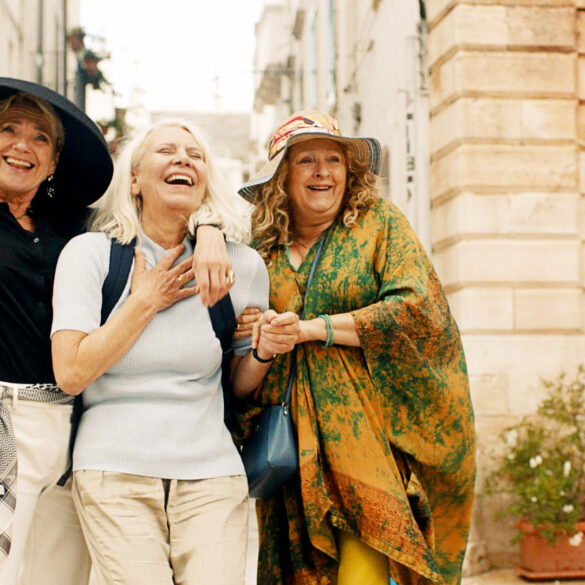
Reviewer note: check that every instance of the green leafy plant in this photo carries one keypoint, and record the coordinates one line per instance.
(543, 463)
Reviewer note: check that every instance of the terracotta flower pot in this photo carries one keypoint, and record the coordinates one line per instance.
(540, 560)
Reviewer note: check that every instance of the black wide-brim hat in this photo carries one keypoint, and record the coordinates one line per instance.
(85, 165)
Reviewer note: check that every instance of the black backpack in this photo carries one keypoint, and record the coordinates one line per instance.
(223, 321)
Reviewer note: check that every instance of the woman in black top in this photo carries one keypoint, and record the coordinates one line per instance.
(53, 163)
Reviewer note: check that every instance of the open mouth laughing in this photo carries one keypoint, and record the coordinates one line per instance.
(319, 188)
(18, 163)
(179, 179)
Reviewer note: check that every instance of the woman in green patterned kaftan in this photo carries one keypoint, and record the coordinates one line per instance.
(383, 414)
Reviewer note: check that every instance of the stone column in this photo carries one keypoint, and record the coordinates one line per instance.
(507, 129)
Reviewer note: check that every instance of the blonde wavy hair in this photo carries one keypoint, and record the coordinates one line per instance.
(271, 218)
(119, 214)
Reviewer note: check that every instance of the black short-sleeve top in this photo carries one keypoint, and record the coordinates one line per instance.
(27, 269)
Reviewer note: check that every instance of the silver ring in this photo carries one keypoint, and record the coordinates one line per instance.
(230, 277)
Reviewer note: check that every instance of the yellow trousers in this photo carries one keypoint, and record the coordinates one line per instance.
(360, 564)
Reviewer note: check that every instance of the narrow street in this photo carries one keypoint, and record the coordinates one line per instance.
(509, 577)
(495, 577)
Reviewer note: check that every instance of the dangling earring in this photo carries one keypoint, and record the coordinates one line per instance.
(50, 186)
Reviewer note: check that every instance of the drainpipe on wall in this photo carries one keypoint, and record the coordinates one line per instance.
(65, 28)
(423, 33)
(39, 55)
(422, 115)
(415, 102)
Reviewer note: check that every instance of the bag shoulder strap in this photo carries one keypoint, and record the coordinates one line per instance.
(293, 369)
(223, 321)
(121, 256)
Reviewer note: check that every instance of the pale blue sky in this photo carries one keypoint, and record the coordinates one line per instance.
(173, 49)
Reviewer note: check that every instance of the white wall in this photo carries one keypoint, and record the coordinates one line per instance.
(378, 76)
(20, 52)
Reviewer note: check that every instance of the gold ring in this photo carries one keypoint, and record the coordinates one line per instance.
(180, 279)
(230, 277)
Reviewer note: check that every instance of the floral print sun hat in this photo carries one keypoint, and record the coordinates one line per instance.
(308, 125)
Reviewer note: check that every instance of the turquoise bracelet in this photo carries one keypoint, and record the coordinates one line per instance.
(330, 335)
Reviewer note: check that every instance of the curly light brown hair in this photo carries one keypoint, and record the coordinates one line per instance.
(271, 217)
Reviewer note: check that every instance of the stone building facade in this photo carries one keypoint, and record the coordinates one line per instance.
(480, 107)
(506, 82)
(33, 43)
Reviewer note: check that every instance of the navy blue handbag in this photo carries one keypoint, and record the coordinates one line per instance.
(270, 456)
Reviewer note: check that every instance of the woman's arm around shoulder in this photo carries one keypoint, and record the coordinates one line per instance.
(212, 265)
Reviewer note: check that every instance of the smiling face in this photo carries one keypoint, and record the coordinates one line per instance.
(27, 152)
(171, 176)
(317, 178)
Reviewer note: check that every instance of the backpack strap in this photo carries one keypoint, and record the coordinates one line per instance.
(223, 321)
(121, 257)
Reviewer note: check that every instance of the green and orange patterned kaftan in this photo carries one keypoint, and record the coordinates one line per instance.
(386, 433)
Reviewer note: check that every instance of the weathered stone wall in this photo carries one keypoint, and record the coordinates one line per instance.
(507, 124)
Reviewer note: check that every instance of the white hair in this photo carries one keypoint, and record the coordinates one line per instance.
(118, 213)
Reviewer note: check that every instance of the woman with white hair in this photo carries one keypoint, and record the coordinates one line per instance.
(158, 482)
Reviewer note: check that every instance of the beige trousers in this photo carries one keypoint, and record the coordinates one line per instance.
(144, 530)
(47, 543)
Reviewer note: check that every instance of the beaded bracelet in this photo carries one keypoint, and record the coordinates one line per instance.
(330, 334)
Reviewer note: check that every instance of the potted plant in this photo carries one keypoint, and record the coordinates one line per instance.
(542, 469)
